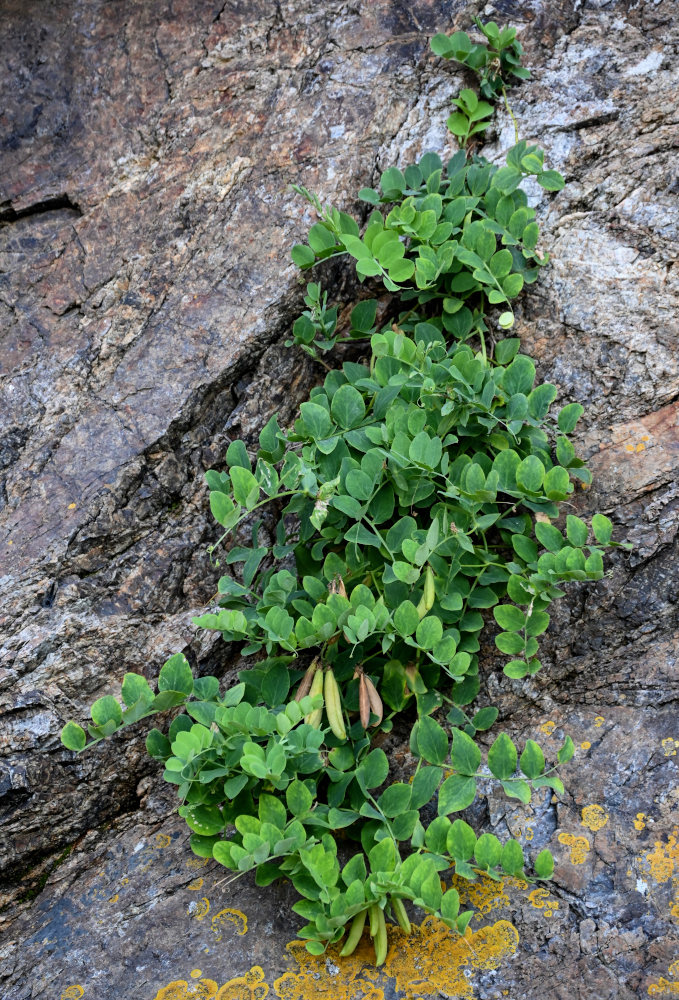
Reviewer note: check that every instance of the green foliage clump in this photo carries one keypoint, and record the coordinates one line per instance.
(416, 495)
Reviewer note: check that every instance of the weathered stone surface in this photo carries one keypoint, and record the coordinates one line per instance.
(145, 294)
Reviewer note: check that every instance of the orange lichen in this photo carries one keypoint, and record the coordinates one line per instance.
(180, 989)
(640, 821)
(664, 988)
(579, 847)
(229, 918)
(329, 976)
(484, 895)
(196, 863)
(432, 960)
(541, 900)
(251, 986)
(664, 858)
(594, 817)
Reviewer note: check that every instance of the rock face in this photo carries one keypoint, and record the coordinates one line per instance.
(145, 294)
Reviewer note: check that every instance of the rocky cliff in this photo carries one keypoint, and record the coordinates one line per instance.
(146, 293)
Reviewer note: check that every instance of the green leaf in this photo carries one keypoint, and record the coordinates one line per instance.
(516, 669)
(392, 182)
(461, 840)
(544, 864)
(347, 406)
(432, 742)
(237, 454)
(508, 617)
(506, 350)
(406, 618)
(500, 264)
(569, 416)
(519, 376)
(395, 799)
(532, 760)
(158, 745)
(510, 643)
(512, 858)
(245, 486)
(107, 709)
(424, 785)
(176, 675)
(488, 851)
(576, 530)
(530, 474)
(429, 632)
(302, 255)
(566, 752)
(73, 736)
(456, 793)
(550, 180)
(557, 484)
(517, 789)
(485, 718)
(549, 536)
(602, 528)
(316, 420)
(223, 509)
(136, 688)
(373, 770)
(502, 757)
(465, 755)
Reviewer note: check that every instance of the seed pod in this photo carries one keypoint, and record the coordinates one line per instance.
(380, 938)
(429, 589)
(354, 936)
(333, 705)
(421, 608)
(341, 589)
(373, 911)
(400, 914)
(315, 717)
(305, 684)
(363, 701)
(376, 705)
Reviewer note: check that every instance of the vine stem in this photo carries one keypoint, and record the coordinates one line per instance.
(511, 114)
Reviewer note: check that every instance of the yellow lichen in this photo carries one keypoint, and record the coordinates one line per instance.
(599, 721)
(432, 960)
(640, 821)
(663, 859)
(204, 989)
(663, 988)
(200, 909)
(670, 747)
(548, 728)
(541, 900)
(585, 745)
(594, 817)
(225, 918)
(251, 986)
(73, 992)
(483, 895)
(579, 847)
(196, 884)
